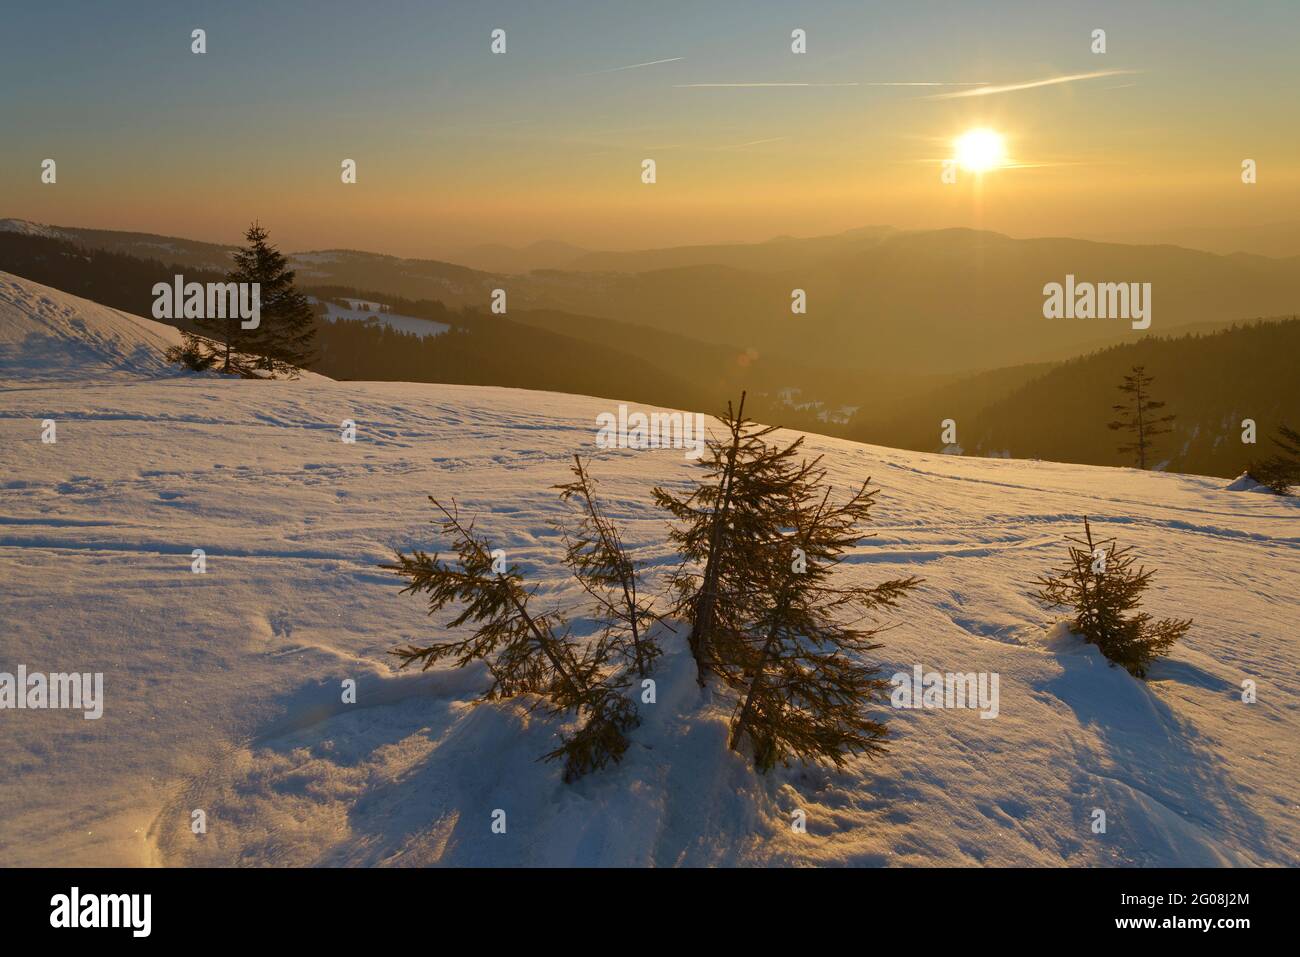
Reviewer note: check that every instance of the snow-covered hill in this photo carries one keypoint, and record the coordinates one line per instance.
(47, 335)
(223, 690)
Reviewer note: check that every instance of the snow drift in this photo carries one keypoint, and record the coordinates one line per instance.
(47, 335)
(223, 690)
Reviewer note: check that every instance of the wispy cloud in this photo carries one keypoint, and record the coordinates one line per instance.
(633, 66)
(742, 146)
(1030, 85)
(689, 86)
(697, 86)
(925, 83)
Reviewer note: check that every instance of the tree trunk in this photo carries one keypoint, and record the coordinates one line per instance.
(1142, 436)
(703, 625)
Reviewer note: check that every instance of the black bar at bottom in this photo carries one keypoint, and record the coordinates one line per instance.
(331, 907)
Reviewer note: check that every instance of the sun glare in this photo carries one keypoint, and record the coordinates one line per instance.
(979, 151)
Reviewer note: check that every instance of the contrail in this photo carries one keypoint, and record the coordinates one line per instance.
(869, 83)
(691, 86)
(1031, 85)
(741, 146)
(633, 66)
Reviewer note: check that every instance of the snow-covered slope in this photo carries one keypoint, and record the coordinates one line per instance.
(223, 689)
(49, 335)
(27, 228)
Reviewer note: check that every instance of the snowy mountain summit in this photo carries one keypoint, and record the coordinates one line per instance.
(210, 546)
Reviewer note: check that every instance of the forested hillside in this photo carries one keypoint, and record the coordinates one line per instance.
(1209, 382)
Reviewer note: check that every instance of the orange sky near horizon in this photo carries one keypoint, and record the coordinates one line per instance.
(460, 147)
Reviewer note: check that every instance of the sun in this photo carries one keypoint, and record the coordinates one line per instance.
(981, 150)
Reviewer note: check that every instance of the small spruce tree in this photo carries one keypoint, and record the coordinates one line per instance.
(1099, 583)
(729, 525)
(525, 652)
(1281, 471)
(594, 553)
(804, 689)
(194, 354)
(1137, 415)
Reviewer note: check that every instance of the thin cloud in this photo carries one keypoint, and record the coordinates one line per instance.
(689, 86)
(1031, 85)
(926, 83)
(697, 86)
(742, 146)
(633, 66)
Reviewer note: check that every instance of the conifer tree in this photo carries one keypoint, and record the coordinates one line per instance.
(1137, 415)
(283, 340)
(729, 524)
(525, 652)
(195, 353)
(594, 553)
(1099, 583)
(803, 686)
(1280, 471)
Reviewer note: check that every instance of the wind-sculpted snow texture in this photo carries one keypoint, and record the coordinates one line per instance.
(223, 690)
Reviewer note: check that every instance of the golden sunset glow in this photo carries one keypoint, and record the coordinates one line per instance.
(549, 147)
(980, 150)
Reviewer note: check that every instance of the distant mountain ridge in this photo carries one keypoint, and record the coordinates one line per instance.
(891, 314)
(1267, 239)
(938, 301)
(413, 278)
(498, 257)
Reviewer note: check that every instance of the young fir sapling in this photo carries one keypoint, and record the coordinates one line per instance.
(1102, 587)
(525, 652)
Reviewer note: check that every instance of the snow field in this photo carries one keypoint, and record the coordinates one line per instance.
(223, 689)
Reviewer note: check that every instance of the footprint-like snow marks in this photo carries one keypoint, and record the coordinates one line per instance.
(51, 336)
(412, 774)
(161, 548)
(866, 553)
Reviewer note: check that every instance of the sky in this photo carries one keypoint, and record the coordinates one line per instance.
(457, 146)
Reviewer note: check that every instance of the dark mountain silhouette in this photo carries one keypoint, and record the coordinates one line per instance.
(938, 301)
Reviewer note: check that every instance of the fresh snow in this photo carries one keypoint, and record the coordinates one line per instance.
(46, 335)
(1245, 482)
(362, 310)
(223, 690)
(27, 228)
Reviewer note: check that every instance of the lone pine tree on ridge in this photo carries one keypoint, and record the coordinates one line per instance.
(1136, 415)
(283, 341)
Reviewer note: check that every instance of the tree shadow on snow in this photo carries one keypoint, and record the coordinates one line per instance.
(1176, 792)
